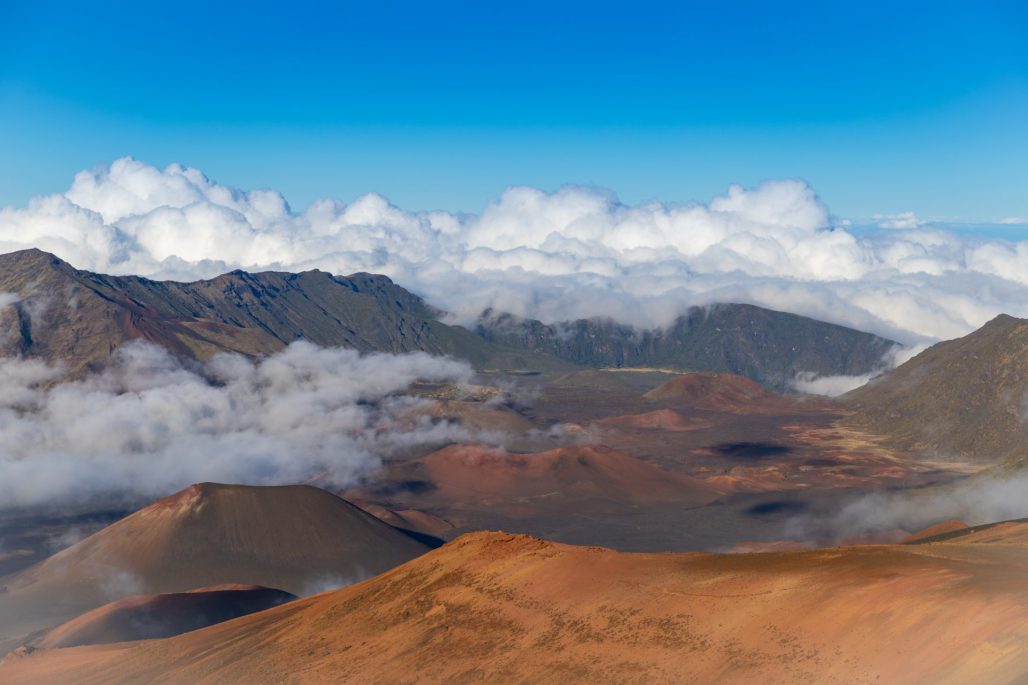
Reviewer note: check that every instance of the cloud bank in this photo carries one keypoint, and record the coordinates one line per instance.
(833, 386)
(147, 425)
(573, 253)
(981, 499)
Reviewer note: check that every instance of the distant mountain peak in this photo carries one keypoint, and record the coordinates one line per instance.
(1003, 321)
(959, 399)
(33, 258)
(80, 317)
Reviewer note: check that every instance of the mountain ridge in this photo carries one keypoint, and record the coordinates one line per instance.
(79, 317)
(965, 398)
(765, 345)
(251, 314)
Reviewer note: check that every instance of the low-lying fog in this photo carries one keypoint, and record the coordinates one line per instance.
(147, 425)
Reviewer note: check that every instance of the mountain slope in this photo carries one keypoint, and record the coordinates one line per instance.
(499, 608)
(296, 538)
(767, 346)
(79, 317)
(963, 399)
(579, 479)
(716, 392)
(145, 617)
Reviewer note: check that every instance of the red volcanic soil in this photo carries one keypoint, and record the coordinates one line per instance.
(1006, 532)
(879, 537)
(476, 474)
(480, 415)
(497, 608)
(297, 538)
(211, 533)
(407, 519)
(659, 419)
(146, 617)
(763, 479)
(722, 392)
(950, 526)
(883, 537)
(758, 547)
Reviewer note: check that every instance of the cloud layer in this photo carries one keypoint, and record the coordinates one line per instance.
(147, 425)
(833, 386)
(977, 500)
(576, 252)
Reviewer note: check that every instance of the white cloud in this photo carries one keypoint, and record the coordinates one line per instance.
(901, 220)
(833, 386)
(576, 252)
(980, 499)
(829, 386)
(147, 425)
(1013, 221)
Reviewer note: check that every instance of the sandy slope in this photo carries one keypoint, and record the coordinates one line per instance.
(717, 392)
(569, 479)
(943, 528)
(497, 608)
(296, 538)
(659, 419)
(145, 617)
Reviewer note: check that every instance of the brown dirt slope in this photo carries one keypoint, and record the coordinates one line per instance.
(296, 538)
(963, 398)
(658, 420)
(146, 617)
(587, 477)
(79, 317)
(497, 608)
(942, 528)
(722, 392)
(1008, 532)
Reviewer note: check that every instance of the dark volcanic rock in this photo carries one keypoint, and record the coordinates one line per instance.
(764, 345)
(79, 317)
(964, 399)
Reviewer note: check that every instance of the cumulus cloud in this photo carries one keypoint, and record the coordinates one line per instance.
(147, 425)
(901, 220)
(576, 252)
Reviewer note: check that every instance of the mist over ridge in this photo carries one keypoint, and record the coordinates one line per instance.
(149, 423)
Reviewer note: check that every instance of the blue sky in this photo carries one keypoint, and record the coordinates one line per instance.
(882, 107)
